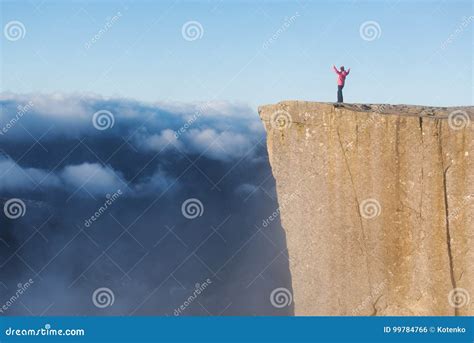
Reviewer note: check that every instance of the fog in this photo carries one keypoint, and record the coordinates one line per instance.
(103, 182)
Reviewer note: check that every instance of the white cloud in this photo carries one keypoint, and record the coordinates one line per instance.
(51, 105)
(218, 145)
(158, 182)
(164, 140)
(82, 179)
(13, 177)
(246, 189)
(92, 178)
(210, 109)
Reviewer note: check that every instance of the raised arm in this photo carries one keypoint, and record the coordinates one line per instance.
(335, 69)
(348, 71)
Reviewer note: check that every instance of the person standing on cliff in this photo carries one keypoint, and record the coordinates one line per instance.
(341, 79)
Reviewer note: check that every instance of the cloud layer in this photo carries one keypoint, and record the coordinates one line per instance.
(103, 207)
(219, 130)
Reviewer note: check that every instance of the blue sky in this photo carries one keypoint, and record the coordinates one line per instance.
(422, 53)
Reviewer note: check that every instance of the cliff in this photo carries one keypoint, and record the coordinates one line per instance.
(377, 202)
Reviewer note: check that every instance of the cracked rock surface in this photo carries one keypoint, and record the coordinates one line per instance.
(377, 202)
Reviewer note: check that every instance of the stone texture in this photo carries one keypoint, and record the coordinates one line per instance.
(377, 202)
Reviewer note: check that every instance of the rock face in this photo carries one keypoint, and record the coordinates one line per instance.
(377, 202)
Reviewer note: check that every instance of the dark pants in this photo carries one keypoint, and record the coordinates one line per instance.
(339, 94)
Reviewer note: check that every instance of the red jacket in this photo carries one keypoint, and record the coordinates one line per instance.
(341, 75)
